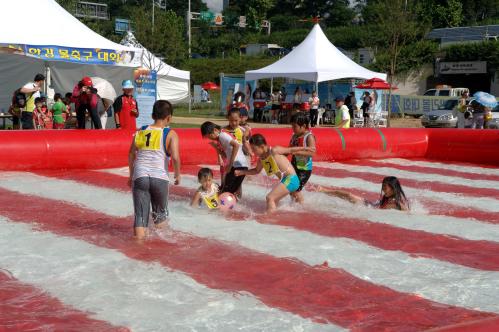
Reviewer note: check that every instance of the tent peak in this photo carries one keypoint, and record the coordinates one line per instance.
(314, 59)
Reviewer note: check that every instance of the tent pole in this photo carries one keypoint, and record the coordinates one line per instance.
(221, 93)
(190, 96)
(48, 78)
(271, 85)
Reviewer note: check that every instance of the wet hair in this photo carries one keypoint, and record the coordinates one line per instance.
(209, 127)
(204, 173)
(398, 192)
(57, 97)
(257, 140)
(162, 109)
(39, 77)
(38, 100)
(300, 119)
(234, 110)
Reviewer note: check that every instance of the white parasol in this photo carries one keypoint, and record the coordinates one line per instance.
(104, 89)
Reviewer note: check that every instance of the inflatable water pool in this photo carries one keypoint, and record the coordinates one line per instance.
(68, 261)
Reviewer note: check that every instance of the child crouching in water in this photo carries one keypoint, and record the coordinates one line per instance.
(392, 196)
(274, 162)
(207, 192)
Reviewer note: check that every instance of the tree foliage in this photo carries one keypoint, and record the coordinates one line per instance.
(484, 51)
(167, 38)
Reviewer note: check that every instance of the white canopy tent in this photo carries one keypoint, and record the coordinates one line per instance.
(64, 47)
(172, 83)
(316, 59)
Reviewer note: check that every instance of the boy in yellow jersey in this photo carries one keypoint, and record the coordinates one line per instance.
(235, 129)
(150, 151)
(207, 193)
(274, 162)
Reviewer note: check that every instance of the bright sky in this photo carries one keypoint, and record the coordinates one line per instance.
(214, 5)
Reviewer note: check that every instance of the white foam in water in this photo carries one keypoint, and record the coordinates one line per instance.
(138, 295)
(415, 220)
(388, 171)
(453, 167)
(483, 203)
(463, 228)
(430, 278)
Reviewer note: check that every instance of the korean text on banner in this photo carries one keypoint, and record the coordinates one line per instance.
(75, 55)
(144, 81)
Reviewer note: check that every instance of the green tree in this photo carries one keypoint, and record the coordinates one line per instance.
(332, 12)
(476, 11)
(180, 6)
(167, 39)
(441, 13)
(254, 10)
(69, 5)
(397, 20)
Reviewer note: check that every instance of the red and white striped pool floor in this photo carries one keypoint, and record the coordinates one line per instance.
(69, 262)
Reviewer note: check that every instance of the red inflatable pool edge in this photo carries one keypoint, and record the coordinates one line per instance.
(91, 149)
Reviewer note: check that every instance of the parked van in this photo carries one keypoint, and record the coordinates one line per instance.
(446, 92)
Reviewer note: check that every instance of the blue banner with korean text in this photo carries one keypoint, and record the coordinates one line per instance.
(144, 81)
(76, 55)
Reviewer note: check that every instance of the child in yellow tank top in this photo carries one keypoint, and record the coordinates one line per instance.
(240, 133)
(207, 193)
(273, 161)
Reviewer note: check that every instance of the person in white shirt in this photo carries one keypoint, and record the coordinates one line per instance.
(230, 156)
(314, 102)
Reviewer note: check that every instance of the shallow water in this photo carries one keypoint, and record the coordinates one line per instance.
(327, 265)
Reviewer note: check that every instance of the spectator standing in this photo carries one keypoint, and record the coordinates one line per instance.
(351, 103)
(462, 107)
(69, 121)
(314, 102)
(32, 91)
(125, 108)
(478, 116)
(276, 105)
(297, 98)
(259, 102)
(366, 103)
(17, 106)
(342, 116)
(86, 100)
(59, 110)
(205, 97)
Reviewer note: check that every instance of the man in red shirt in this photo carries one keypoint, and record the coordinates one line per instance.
(86, 99)
(125, 108)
